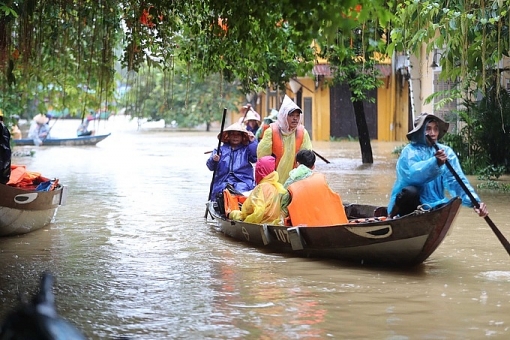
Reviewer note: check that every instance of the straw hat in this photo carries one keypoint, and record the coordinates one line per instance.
(41, 119)
(420, 120)
(1, 113)
(224, 137)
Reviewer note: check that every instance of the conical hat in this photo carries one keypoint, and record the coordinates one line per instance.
(252, 115)
(41, 119)
(224, 136)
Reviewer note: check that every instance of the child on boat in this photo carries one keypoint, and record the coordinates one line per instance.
(309, 200)
(263, 203)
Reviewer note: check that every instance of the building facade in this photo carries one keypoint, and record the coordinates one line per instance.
(328, 110)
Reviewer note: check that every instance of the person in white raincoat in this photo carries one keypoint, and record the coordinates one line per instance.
(284, 138)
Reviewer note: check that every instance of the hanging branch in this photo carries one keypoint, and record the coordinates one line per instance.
(483, 47)
(91, 58)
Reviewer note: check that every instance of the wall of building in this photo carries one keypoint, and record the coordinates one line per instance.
(385, 105)
(392, 106)
(320, 105)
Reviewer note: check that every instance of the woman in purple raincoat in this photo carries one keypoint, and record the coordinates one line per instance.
(234, 160)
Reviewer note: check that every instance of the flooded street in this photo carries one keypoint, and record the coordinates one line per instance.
(133, 255)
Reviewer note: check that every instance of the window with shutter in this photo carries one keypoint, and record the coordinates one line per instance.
(445, 111)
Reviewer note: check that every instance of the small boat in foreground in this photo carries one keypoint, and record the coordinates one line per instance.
(73, 141)
(405, 241)
(23, 211)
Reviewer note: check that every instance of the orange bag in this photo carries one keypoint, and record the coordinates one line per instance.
(232, 201)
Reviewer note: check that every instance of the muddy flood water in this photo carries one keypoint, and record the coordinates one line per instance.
(133, 256)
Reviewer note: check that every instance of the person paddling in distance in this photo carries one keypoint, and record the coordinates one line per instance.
(233, 162)
(15, 130)
(422, 176)
(284, 138)
(39, 129)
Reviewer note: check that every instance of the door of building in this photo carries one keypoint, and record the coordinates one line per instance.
(342, 118)
(307, 115)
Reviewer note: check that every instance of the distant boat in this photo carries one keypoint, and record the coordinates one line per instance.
(73, 141)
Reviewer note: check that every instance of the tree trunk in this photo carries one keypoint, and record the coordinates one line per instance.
(363, 135)
(4, 53)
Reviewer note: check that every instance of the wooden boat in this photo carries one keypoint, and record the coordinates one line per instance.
(73, 141)
(23, 211)
(405, 241)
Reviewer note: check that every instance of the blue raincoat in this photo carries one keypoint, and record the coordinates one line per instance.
(417, 166)
(234, 167)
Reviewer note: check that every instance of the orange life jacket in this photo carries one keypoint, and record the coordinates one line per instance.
(264, 128)
(232, 201)
(24, 179)
(277, 142)
(314, 204)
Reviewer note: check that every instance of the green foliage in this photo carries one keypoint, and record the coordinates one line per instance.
(59, 56)
(491, 172)
(398, 149)
(352, 58)
(7, 11)
(483, 143)
(488, 124)
(64, 51)
(485, 132)
(494, 185)
(470, 156)
(472, 36)
(176, 95)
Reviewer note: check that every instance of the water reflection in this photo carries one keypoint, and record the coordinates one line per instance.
(132, 255)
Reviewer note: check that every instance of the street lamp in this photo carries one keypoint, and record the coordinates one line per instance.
(435, 59)
(295, 85)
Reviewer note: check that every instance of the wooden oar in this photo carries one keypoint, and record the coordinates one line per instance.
(216, 163)
(487, 219)
(315, 152)
(248, 108)
(51, 127)
(324, 159)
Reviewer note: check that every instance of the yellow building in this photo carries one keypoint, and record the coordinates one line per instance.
(328, 110)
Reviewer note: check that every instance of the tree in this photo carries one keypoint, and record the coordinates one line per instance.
(354, 56)
(240, 40)
(180, 96)
(57, 52)
(473, 38)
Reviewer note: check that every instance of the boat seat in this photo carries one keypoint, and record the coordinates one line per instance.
(380, 211)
